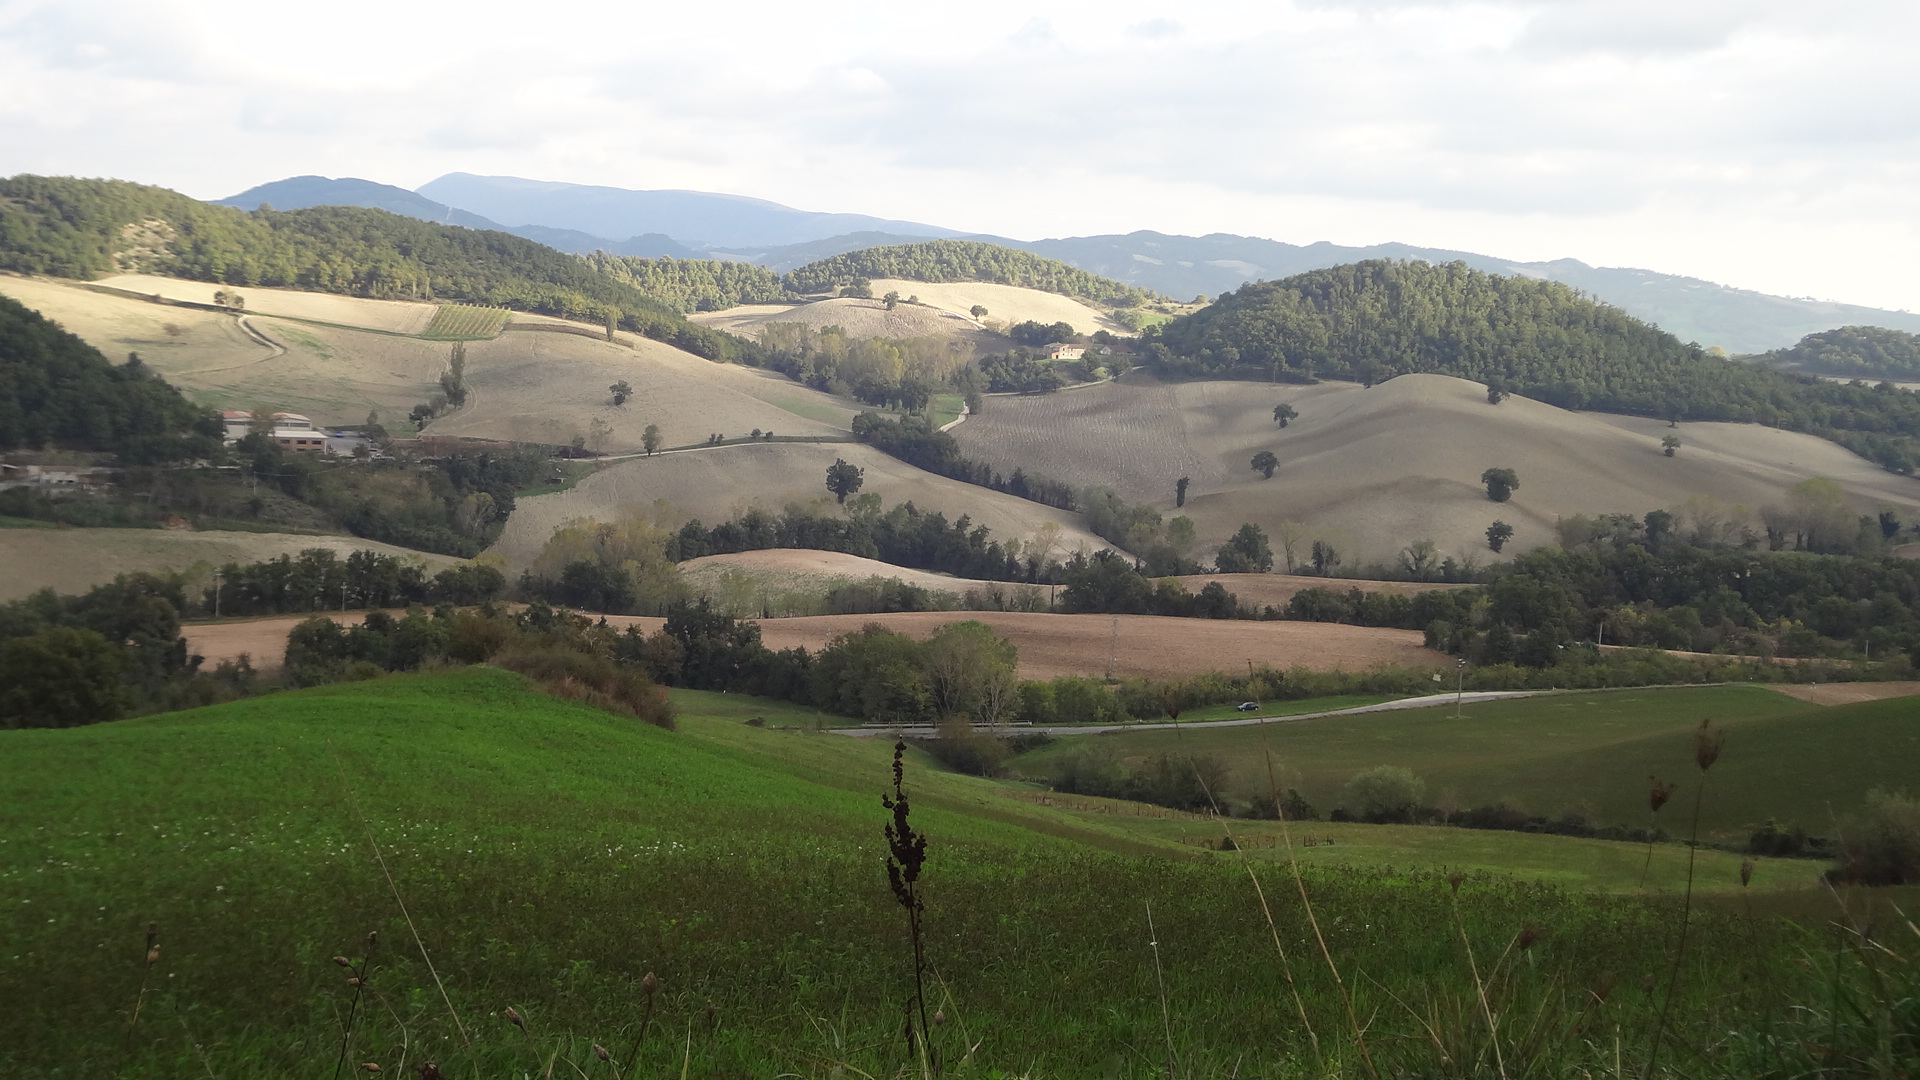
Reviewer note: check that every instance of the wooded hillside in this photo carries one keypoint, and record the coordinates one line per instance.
(693, 284)
(963, 260)
(1855, 352)
(56, 390)
(1372, 320)
(84, 229)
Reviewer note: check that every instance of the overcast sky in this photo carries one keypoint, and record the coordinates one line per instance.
(1765, 144)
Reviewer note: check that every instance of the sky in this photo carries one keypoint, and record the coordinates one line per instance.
(1764, 144)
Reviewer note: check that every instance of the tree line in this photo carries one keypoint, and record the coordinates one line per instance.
(963, 260)
(1372, 320)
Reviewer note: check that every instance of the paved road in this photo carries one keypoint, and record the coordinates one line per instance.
(1428, 701)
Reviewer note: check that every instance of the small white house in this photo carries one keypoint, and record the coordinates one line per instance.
(1062, 351)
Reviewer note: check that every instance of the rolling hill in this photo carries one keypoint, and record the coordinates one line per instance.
(71, 561)
(1371, 470)
(713, 484)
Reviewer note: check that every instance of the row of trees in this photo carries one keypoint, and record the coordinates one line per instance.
(962, 260)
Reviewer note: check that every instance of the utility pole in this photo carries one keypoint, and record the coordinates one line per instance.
(1459, 682)
(1113, 647)
(216, 593)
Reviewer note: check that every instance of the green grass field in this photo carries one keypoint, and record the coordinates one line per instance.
(1587, 752)
(549, 856)
(946, 409)
(463, 322)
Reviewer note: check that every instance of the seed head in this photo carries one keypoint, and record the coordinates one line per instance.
(153, 955)
(373, 938)
(1746, 872)
(513, 1017)
(1706, 745)
(710, 1014)
(1529, 935)
(370, 1066)
(601, 1052)
(939, 1017)
(1658, 792)
(650, 984)
(1454, 879)
(343, 961)
(356, 981)
(153, 934)
(431, 1071)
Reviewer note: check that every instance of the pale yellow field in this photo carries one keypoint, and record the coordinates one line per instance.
(1370, 470)
(549, 387)
(534, 386)
(331, 374)
(859, 318)
(393, 316)
(713, 485)
(75, 560)
(800, 567)
(1005, 304)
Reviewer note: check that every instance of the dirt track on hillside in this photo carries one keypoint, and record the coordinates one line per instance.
(1849, 693)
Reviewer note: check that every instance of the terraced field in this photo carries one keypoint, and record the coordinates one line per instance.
(464, 322)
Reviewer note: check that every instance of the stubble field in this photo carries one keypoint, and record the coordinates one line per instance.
(1371, 470)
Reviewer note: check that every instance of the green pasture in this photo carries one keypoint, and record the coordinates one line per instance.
(946, 408)
(549, 856)
(1590, 753)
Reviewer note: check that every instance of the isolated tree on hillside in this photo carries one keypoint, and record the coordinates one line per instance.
(453, 381)
(1180, 492)
(1498, 534)
(844, 479)
(1670, 444)
(1247, 552)
(1264, 463)
(978, 311)
(621, 391)
(613, 323)
(1284, 414)
(861, 289)
(1496, 391)
(650, 439)
(892, 300)
(1501, 483)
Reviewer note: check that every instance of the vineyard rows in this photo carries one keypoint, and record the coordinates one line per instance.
(464, 322)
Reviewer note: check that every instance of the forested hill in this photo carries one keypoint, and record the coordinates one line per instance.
(694, 284)
(58, 391)
(1376, 319)
(1853, 352)
(963, 260)
(88, 228)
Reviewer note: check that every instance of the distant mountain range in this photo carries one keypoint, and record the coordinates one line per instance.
(694, 224)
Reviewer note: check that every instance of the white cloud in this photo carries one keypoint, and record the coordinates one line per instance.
(1763, 143)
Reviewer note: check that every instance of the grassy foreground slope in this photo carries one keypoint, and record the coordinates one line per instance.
(549, 856)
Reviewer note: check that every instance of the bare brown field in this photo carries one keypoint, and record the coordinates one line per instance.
(75, 560)
(797, 566)
(713, 485)
(1848, 693)
(393, 316)
(1371, 470)
(1147, 645)
(1262, 590)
